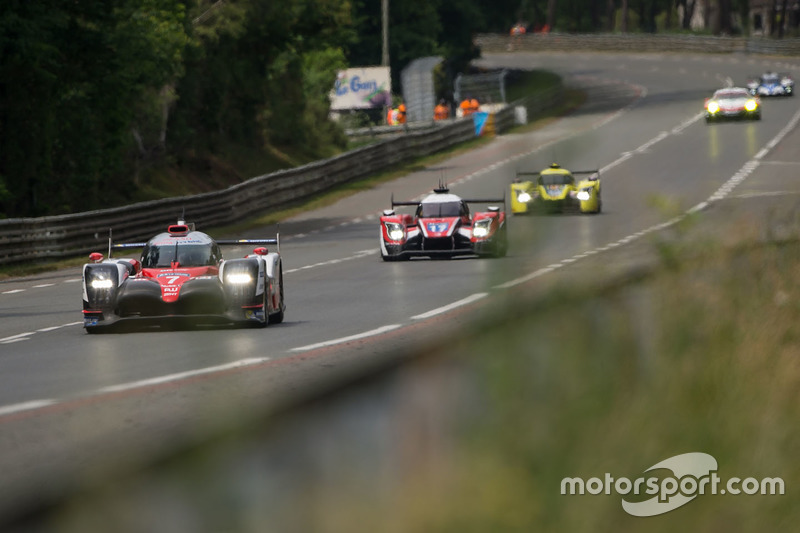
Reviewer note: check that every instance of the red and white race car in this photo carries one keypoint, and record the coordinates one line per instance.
(181, 275)
(442, 226)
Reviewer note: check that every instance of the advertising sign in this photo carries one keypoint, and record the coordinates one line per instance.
(362, 88)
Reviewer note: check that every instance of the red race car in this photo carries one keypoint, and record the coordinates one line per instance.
(442, 226)
(181, 275)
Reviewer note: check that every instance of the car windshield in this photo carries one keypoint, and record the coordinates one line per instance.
(728, 95)
(439, 209)
(770, 78)
(555, 179)
(189, 255)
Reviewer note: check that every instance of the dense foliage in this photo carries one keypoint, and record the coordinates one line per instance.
(96, 95)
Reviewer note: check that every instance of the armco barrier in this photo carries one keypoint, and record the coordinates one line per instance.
(632, 42)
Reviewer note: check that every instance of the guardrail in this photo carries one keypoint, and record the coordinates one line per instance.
(632, 42)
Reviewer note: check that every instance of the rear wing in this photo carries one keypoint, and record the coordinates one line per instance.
(573, 172)
(222, 242)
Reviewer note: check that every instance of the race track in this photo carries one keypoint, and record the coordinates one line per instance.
(68, 400)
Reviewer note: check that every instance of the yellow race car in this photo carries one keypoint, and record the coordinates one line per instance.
(555, 190)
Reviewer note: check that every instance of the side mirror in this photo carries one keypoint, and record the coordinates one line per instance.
(388, 212)
(261, 251)
(95, 257)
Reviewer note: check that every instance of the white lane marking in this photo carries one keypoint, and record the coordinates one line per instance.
(450, 307)
(357, 255)
(14, 291)
(364, 335)
(43, 285)
(77, 280)
(182, 375)
(53, 328)
(26, 406)
(761, 153)
(16, 338)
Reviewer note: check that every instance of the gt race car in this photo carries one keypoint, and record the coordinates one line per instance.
(732, 103)
(555, 190)
(182, 276)
(442, 226)
(771, 84)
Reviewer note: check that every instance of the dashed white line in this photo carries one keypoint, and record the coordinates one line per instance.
(182, 375)
(450, 307)
(17, 338)
(26, 406)
(43, 285)
(357, 255)
(14, 291)
(364, 335)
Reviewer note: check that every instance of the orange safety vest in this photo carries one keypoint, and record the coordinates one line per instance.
(441, 112)
(474, 106)
(401, 114)
(466, 107)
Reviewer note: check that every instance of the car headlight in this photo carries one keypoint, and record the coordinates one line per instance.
(239, 278)
(584, 195)
(395, 231)
(750, 105)
(713, 107)
(481, 228)
(524, 197)
(101, 283)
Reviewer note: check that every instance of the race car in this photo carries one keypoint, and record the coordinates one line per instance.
(442, 227)
(732, 103)
(771, 84)
(182, 276)
(555, 190)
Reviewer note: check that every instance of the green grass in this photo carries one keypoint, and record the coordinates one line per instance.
(584, 381)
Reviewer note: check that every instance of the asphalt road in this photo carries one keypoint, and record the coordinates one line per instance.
(73, 404)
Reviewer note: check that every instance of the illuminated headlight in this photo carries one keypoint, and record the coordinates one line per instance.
(395, 231)
(524, 197)
(481, 228)
(713, 107)
(101, 283)
(239, 278)
(584, 195)
(750, 105)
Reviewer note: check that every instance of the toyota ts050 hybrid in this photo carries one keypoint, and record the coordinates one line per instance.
(181, 275)
(732, 103)
(556, 190)
(771, 84)
(442, 226)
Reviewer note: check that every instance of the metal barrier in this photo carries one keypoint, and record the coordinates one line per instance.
(631, 42)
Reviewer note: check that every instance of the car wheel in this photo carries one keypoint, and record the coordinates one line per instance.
(277, 318)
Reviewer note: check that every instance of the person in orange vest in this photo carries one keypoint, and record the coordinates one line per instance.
(465, 107)
(401, 114)
(474, 105)
(441, 111)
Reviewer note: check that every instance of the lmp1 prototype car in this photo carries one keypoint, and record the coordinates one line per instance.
(443, 227)
(182, 275)
(732, 103)
(771, 84)
(555, 190)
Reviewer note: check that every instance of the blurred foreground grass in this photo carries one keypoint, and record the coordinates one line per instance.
(702, 357)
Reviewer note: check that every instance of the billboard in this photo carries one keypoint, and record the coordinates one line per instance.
(362, 88)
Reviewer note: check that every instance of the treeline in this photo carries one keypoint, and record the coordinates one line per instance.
(93, 94)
